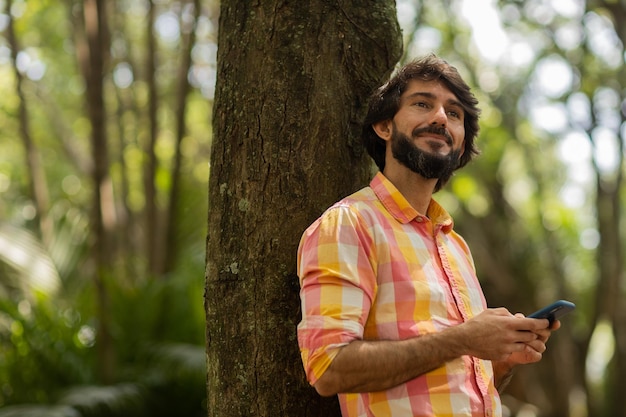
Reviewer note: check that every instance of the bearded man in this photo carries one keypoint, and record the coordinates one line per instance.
(394, 320)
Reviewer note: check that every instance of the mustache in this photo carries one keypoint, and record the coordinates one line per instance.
(441, 131)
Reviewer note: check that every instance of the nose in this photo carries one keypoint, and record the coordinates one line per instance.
(440, 118)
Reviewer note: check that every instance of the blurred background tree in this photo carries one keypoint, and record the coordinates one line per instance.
(105, 135)
(104, 151)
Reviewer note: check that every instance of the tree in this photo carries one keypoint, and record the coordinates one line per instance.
(37, 183)
(292, 84)
(609, 304)
(93, 55)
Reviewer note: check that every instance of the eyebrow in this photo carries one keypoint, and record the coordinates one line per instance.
(432, 96)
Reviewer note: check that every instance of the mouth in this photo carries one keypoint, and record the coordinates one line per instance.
(438, 139)
(434, 134)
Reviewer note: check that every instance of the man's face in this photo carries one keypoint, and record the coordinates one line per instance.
(428, 130)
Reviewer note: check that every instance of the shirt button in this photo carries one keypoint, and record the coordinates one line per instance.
(488, 413)
(419, 219)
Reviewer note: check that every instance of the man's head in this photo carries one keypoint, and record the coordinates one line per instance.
(388, 100)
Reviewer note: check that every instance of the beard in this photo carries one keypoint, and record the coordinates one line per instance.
(428, 165)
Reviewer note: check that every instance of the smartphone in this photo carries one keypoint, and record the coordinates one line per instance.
(554, 311)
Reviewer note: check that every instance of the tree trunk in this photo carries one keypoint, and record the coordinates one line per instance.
(188, 42)
(611, 258)
(609, 292)
(611, 286)
(37, 184)
(92, 57)
(152, 232)
(292, 82)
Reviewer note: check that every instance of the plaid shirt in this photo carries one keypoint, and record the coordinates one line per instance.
(371, 267)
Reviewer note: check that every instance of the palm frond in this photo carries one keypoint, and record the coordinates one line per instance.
(181, 359)
(176, 376)
(35, 271)
(126, 399)
(68, 247)
(28, 410)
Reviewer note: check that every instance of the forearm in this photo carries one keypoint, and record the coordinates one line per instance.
(494, 334)
(370, 366)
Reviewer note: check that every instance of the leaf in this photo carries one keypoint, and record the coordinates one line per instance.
(181, 359)
(21, 250)
(110, 400)
(39, 411)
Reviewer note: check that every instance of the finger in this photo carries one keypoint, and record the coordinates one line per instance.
(533, 355)
(536, 324)
(529, 325)
(537, 346)
(518, 347)
(524, 336)
(501, 311)
(543, 335)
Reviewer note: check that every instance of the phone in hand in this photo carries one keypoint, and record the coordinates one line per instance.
(554, 311)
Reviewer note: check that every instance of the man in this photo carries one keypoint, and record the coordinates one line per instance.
(393, 317)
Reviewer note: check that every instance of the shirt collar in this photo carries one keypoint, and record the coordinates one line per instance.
(402, 211)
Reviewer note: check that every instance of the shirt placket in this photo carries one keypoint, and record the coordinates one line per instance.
(458, 299)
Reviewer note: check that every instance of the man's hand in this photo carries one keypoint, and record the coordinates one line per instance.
(496, 334)
(533, 352)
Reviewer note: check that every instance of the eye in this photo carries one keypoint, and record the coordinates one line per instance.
(456, 114)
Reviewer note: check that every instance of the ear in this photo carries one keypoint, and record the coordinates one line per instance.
(383, 129)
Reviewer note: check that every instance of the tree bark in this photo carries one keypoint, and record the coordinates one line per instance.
(92, 55)
(611, 287)
(153, 242)
(292, 83)
(37, 184)
(188, 42)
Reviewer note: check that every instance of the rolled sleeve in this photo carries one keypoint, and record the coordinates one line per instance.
(338, 285)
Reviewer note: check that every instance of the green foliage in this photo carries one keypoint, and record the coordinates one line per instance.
(51, 289)
(47, 351)
(39, 411)
(29, 270)
(115, 400)
(39, 352)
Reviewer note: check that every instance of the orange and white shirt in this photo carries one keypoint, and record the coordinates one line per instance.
(373, 268)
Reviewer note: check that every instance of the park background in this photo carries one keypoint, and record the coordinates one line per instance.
(106, 140)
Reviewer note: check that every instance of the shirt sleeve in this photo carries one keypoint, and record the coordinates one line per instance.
(338, 285)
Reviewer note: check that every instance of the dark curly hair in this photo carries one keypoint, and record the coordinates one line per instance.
(385, 102)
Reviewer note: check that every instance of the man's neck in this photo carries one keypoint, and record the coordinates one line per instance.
(417, 190)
